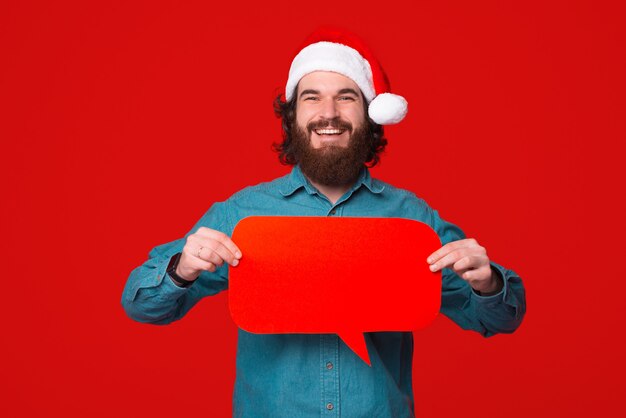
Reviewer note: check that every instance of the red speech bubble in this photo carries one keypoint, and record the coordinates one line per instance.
(318, 275)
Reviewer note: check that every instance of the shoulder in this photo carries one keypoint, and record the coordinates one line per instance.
(263, 189)
(401, 202)
(251, 200)
(393, 192)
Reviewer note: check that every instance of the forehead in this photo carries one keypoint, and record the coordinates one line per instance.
(326, 82)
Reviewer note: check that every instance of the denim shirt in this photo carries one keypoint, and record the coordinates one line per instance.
(313, 375)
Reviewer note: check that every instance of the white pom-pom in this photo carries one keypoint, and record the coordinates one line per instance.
(387, 109)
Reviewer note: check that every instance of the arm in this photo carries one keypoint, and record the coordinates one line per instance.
(151, 296)
(484, 312)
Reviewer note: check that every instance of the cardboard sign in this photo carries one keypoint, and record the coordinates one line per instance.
(319, 275)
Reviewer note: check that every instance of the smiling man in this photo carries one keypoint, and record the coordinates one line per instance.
(336, 100)
(330, 132)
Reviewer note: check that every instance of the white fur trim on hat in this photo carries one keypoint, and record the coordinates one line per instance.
(330, 56)
(387, 109)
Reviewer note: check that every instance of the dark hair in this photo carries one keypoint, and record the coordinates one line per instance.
(286, 111)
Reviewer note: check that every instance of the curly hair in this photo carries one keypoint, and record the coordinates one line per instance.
(286, 111)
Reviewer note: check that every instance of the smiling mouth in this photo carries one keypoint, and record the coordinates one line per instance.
(329, 131)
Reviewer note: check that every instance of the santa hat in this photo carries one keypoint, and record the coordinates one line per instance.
(340, 52)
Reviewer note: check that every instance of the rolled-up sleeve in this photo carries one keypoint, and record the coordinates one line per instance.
(151, 296)
(488, 315)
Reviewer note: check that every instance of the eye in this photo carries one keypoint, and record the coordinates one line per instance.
(311, 98)
(345, 98)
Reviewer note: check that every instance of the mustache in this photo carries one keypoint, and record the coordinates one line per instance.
(335, 123)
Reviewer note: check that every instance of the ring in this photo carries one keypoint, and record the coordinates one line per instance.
(199, 251)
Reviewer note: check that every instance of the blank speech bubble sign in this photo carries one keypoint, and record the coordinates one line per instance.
(319, 275)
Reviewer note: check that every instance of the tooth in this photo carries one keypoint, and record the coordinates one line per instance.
(328, 131)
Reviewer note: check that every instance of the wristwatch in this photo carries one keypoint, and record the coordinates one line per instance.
(171, 270)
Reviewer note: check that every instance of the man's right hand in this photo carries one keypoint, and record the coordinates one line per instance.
(206, 249)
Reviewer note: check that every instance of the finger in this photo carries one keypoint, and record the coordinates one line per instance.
(469, 262)
(218, 253)
(477, 276)
(195, 264)
(196, 245)
(209, 254)
(205, 265)
(222, 238)
(448, 248)
(208, 245)
(449, 259)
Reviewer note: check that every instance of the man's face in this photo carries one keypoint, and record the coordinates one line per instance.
(331, 138)
(329, 107)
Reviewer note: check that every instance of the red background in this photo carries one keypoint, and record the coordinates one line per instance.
(122, 122)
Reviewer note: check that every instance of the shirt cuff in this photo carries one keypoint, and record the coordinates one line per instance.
(171, 288)
(178, 283)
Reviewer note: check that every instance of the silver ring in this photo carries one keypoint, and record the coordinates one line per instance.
(199, 251)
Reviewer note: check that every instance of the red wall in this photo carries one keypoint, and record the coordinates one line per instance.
(121, 123)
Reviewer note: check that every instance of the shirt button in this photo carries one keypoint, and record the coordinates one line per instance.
(329, 406)
(329, 365)
(332, 212)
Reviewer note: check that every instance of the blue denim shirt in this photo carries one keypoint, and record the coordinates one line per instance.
(313, 375)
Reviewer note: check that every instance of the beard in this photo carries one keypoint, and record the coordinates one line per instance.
(331, 165)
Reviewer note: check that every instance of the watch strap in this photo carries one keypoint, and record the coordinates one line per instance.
(171, 270)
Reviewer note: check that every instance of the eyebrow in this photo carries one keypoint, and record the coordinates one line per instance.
(348, 91)
(309, 91)
(342, 91)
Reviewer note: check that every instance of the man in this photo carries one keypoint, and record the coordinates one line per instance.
(336, 101)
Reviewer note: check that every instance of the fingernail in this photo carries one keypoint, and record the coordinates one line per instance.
(433, 267)
(235, 263)
(429, 260)
(238, 254)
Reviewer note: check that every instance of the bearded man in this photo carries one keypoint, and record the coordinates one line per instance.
(337, 98)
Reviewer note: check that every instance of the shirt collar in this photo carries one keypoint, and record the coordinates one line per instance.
(296, 180)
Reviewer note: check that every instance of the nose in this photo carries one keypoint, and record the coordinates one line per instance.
(329, 109)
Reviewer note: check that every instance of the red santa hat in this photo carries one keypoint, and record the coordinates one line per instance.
(340, 52)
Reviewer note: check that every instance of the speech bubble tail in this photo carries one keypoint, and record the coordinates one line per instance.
(356, 342)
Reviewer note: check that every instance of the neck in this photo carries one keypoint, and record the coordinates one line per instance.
(332, 193)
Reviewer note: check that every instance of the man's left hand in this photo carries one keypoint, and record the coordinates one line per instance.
(469, 260)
